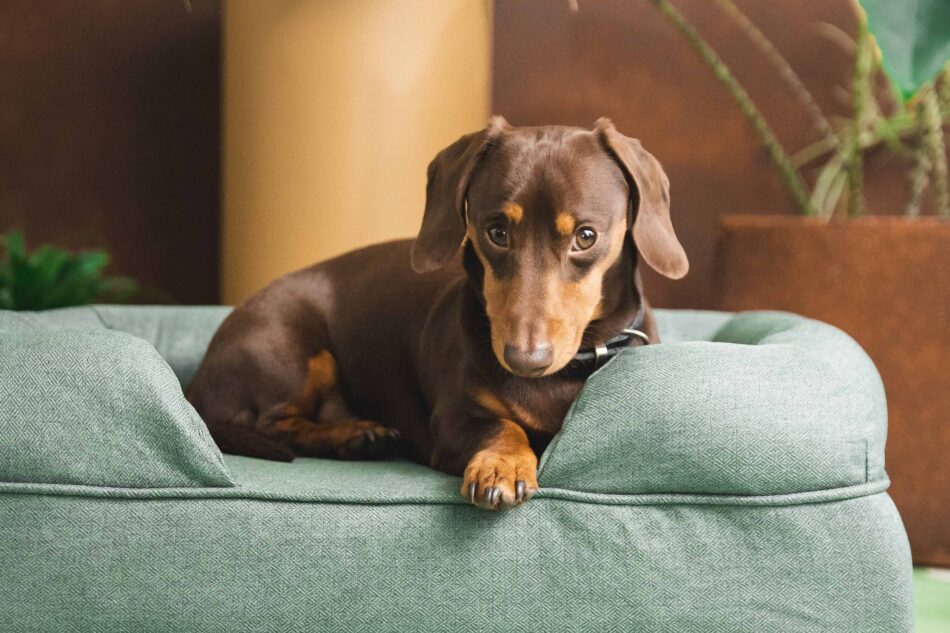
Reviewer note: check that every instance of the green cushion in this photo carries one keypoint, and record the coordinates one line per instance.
(97, 407)
(180, 334)
(774, 404)
(72, 561)
(732, 483)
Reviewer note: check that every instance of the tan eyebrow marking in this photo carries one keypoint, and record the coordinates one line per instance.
(564, 223)
(513, 211)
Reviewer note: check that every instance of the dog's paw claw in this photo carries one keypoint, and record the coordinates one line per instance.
(373, 441)
(495, 481)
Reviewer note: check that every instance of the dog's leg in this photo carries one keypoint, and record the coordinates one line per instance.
(341, 436)
(243, 440)
(319, 384)
(502, 474)
(344, 439)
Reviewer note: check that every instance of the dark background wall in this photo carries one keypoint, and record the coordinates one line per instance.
(109, 119)
(109, 135)
(620, 58)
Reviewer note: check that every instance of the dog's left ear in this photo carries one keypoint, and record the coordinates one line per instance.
(652, 228)
(443, 224)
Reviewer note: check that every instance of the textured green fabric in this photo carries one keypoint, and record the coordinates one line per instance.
(83, 318)
(677, 326)
(328, 481)
(635, 528)
(777, 404)
(99, 408)
(180, 334)
(80, 564)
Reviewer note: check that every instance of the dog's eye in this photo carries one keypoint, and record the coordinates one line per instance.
(498, 235)
(584, 238)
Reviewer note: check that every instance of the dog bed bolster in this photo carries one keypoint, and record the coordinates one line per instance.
(98, 408)
(774, 404)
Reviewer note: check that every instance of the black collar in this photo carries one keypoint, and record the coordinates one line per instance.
(589, 359)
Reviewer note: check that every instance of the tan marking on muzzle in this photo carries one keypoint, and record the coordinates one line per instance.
(496, 292)
(577, 304)
(568, 309)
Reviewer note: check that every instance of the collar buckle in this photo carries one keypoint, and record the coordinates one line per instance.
(588, 360)
(638, 333)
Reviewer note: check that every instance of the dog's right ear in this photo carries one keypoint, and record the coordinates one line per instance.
(443, 224)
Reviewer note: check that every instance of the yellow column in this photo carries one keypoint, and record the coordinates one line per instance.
(332, 110)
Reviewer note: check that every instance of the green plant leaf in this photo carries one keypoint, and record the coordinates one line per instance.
(45, 265)
(77, 280)
(14, 247)
(4, 273)
(914, 38)
(53, 278)
(116, 289)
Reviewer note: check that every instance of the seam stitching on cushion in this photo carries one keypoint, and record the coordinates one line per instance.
(238, 492)
(95, 310)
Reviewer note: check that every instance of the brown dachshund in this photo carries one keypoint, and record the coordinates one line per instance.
(465, 348)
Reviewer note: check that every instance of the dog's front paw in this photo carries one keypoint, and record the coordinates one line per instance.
(499, 481)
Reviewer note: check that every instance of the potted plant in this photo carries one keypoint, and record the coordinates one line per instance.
(883, 279)
(51, 278)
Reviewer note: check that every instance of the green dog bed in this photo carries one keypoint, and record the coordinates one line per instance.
(729, 479)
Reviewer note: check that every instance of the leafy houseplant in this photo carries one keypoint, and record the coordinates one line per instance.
(883, 279)
(53, 278)
(913, 46)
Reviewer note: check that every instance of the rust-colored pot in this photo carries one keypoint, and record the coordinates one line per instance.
(886, 282)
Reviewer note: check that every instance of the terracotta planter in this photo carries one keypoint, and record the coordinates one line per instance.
(885, 281)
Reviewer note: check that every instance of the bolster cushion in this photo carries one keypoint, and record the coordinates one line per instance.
(774, 404)
(98, 408)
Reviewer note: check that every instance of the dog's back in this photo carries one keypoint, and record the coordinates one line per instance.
(368, 302)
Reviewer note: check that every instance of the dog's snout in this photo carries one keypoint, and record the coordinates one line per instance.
(529, 361)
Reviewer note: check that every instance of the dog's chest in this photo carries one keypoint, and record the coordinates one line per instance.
(540, 405)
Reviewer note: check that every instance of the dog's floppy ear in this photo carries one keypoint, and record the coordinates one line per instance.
(652, 228)
(443, 224)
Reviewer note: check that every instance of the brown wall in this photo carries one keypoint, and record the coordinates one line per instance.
(621, 59)
(109, 135)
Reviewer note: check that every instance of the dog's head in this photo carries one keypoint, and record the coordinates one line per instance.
(547, 211)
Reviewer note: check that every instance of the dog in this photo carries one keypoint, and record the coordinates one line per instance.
(464, 348)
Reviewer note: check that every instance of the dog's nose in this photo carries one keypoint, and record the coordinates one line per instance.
(529, 361)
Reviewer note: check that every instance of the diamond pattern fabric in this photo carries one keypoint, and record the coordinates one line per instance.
(728, 480)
